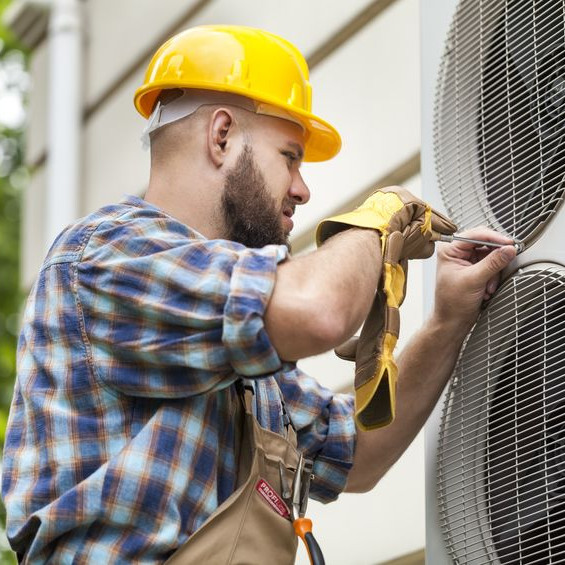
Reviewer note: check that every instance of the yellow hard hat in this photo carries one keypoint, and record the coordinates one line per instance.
(245, 61)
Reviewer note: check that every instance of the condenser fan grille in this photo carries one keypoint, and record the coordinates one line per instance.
(501, 455)
(500, 115)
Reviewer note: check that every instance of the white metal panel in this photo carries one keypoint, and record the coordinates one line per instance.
(435, 20)
(369, 90)
(548, 248)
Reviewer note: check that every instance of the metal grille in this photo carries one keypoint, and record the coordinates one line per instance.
(501, 455)
(500, 115)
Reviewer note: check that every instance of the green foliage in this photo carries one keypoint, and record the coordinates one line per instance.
(6, 35)
(13, 177)
(10, 190)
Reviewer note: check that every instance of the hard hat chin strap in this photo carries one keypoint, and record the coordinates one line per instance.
(190, 100)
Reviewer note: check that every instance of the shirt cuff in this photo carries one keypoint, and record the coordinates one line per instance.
(244, 337)
(332, 466)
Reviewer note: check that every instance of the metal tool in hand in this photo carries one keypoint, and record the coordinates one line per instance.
(296, 498)
(449, 238)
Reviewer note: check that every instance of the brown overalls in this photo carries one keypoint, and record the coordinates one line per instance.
(253, 525)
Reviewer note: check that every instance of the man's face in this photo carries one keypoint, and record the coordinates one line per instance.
(257, 211)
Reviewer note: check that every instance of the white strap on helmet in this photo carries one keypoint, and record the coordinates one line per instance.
(190, 100)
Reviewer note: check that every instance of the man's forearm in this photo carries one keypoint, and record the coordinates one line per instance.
(322, 298)
(424, 368)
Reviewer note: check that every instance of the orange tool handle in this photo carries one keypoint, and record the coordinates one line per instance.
(303, 529)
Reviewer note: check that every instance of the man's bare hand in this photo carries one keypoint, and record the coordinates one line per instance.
(467, 276)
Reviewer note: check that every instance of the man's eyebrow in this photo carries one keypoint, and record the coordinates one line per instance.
(296, 147)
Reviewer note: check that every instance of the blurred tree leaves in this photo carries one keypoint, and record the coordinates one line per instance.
(14, 83)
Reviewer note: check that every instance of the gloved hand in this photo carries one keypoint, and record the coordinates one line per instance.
(375, 367)
(407, 226)
(393, 209)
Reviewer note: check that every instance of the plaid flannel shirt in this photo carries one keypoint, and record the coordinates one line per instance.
(120, 439)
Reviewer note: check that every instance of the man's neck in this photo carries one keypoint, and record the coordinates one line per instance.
(195, 206)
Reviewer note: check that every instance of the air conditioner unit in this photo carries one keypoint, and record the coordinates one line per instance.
(493, 153)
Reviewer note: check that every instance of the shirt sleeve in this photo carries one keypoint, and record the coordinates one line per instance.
(326, 429)
(168, 313)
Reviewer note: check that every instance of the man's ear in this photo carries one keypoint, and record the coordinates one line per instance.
(220, 135)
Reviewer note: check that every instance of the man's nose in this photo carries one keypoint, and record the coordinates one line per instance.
(299, 191)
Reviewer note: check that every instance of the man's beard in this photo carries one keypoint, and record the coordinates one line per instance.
(250, 213)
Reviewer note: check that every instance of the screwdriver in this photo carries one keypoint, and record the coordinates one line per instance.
(449, 238)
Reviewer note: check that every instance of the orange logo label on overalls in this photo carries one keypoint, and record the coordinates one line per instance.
(272, 498)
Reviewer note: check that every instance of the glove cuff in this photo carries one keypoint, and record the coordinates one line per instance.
(375, 390)
(375, 213)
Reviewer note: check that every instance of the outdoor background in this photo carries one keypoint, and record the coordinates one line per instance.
(364, 57)
(14, 83)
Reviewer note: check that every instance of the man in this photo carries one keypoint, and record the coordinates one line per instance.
(124, 440)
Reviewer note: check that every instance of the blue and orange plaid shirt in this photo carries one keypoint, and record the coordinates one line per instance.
(120, 439)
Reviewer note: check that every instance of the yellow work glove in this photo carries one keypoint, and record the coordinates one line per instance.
(408, 227)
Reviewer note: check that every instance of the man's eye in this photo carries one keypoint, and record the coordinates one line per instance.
(291, 157)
